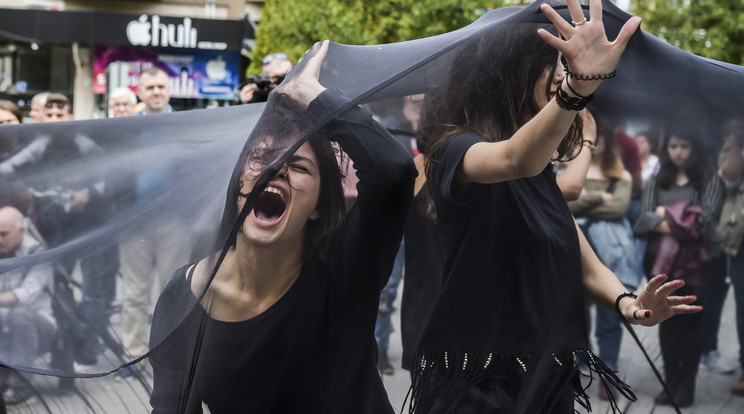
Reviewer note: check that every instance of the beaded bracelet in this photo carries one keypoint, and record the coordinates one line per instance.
(585, 77)
(568, 102)
(619, 298)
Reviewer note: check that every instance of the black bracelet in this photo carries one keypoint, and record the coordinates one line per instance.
(570, 74)
(568, 102)
(619, 298)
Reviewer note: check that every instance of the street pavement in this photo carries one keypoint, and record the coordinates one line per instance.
(712, 395)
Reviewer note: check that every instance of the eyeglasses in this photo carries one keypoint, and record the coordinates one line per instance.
(58, 104)
(268, 58)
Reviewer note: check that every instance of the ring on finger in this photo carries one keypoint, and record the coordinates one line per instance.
(646, 290)
(579, 23)
(635, 314)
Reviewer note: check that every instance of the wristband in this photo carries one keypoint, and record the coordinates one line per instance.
(619, 298)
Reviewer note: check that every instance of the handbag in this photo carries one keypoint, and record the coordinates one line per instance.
(731, 223)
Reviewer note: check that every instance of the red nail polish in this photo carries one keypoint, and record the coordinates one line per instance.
(648, 313)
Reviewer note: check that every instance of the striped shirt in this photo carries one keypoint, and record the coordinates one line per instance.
(710, 199)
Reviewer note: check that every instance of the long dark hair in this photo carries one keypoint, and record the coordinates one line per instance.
(610, 161)
(699, 167)
(490, 90)
(283, 122)
(490, 87)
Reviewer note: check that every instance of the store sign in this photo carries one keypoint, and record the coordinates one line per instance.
(193, 73)
(140, 32)
(120, 29)
(144, 32)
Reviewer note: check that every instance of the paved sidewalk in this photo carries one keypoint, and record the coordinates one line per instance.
(712, 391)
(712, 395)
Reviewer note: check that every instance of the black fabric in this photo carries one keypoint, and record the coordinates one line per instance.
(424, 261)
(314, 350)
(512, 249)
(657, 86)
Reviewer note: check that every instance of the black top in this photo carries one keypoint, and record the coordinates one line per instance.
(512, 251)
(424, 260)
(512, 295)
(314, 350)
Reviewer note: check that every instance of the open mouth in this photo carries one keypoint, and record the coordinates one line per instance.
(270, 205)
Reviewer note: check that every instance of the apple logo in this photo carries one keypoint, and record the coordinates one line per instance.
(216, 69)
(138, 31)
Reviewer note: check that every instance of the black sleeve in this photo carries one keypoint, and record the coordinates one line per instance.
(364, 250)
(172, 344)
(445, 164)
(648, 219)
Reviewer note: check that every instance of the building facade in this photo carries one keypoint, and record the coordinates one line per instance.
(85, 49)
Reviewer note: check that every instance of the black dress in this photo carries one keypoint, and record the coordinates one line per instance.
(509, 323)
(424, 260)
(314, 350)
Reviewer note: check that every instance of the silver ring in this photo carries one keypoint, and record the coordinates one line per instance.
(634, 314)
(646, 290)
(579, 23)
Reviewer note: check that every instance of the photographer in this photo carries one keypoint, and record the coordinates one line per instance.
(257, 87)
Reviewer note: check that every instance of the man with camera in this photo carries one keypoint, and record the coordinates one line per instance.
(273, 70)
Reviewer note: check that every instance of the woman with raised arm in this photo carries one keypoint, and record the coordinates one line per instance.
(508, 331)
(287, 322)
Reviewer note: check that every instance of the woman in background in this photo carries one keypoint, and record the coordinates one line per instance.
(680, 208)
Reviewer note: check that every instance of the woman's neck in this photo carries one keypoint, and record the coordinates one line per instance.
(251, 280)
(681, 179)
(266, 268)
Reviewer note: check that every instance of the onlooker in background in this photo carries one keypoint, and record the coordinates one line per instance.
(600, 210)
(27, 326)
(71, 203)
(680, 210)
(631, 156)
(731, 226)
(649, 160)
(275, 66)
(256, 88)
(10, 113)
(10, 144)
(154, 89)
(38, 103)
(714, 290)
(121, 102)
(149, 251)
(571, 173)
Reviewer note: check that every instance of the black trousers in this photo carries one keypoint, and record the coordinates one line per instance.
(681, 346)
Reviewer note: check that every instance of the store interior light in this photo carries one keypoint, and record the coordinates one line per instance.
(34, 46)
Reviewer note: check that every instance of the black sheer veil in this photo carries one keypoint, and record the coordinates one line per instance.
(193, 157)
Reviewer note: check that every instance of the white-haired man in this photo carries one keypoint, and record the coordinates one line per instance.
(27, 326)
(121, 102)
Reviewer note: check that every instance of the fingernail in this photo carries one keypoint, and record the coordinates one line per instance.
(648, 313)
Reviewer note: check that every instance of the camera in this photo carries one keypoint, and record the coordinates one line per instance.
(264, 85)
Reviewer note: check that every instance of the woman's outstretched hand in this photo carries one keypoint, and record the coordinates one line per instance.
(586, 47)
(304, 86)
(654, 304)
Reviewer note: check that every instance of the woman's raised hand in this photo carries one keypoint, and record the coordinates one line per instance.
(304, 86)
(586, 47)
(654, 304)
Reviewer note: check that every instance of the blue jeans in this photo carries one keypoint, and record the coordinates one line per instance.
(609, 333)
(387, 297)
(737, 281)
